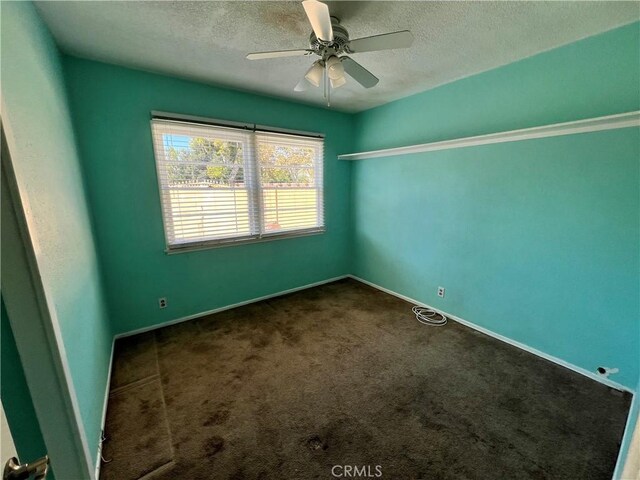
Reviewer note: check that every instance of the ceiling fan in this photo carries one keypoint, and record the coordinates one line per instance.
(330, 41)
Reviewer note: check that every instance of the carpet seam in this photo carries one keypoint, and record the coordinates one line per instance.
(164, 403)
(149, 475)
(136, 383)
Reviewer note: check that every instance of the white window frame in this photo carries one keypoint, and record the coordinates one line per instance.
(254, 190)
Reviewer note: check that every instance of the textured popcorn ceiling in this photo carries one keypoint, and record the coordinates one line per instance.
(207, 41)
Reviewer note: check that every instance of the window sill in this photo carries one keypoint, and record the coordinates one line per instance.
(193, 247)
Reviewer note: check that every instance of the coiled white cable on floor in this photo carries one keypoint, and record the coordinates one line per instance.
(429, 316)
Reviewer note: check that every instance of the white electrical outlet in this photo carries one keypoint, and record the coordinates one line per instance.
(441, 292)
(162, 302)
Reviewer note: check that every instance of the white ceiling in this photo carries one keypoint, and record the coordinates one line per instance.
(207, 41)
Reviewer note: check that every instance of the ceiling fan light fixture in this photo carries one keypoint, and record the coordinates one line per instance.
(314, 74)
(302, 85)
(338, 82)
(335, 68)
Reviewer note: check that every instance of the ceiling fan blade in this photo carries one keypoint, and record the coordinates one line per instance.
(318, 14)
(386, 41)
(360, 74)
(278, 54)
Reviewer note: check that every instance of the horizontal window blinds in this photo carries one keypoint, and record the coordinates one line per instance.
(290, 177)
(221, 184)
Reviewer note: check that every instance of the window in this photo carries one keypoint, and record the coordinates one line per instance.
(221, 185)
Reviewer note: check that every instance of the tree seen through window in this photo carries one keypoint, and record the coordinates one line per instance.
(200, 160)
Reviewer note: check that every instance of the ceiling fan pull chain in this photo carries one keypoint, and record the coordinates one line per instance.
(327, 86)
(324, 83)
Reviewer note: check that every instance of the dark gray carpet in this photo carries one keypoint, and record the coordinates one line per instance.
(137, 414)
(343, 374)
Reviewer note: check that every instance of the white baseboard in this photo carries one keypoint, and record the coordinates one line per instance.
(228, 307)
(629, 429)
(592, 375)
(558, 361)
(104, 409)
(527, 348)
(184, 319)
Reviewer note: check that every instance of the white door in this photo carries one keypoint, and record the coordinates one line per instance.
(37, 339)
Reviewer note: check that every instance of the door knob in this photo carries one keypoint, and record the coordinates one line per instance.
(23, 471)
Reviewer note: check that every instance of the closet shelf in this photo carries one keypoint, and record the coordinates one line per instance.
(609, 122)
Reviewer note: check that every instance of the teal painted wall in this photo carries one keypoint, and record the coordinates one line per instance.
(111, 108)
(590, 78)
(47, 169)
(16, 398)
(535, 240)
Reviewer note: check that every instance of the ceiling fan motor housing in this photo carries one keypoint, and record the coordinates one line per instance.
(337, 46)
